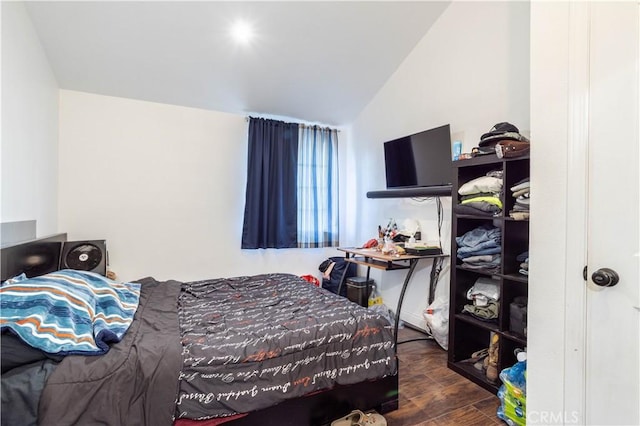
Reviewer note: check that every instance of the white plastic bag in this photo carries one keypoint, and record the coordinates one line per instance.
(437, 317)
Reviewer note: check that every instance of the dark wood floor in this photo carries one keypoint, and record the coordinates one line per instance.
(433, 395)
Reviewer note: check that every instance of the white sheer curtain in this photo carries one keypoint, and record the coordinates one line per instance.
(317, 187)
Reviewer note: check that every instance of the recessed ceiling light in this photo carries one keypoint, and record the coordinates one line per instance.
(242, 32)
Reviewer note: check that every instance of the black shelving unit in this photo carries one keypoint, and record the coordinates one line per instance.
(466, 333)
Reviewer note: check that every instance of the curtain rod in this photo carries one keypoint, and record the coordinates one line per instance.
(247, 118)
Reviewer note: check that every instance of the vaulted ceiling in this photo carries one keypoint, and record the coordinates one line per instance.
(314, 61)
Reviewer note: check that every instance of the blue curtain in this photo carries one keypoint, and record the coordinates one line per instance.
(270, 212)
(317, 187)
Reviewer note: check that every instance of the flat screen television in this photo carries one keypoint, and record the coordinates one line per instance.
(419, 160)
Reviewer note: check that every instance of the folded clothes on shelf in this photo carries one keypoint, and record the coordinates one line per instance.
(485, 313)
(477, 209)
(481, 184)
(483, 291)
(481, 196)
(483, 240)
(521, 192)
(485, 296)
(523, 258)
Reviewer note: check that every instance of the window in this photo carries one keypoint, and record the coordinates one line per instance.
(292, 186)
(317, 187)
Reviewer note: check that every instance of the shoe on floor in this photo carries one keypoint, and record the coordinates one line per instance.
(358, 418)
(373, 419)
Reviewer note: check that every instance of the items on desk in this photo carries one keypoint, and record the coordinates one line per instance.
(392, 248)
(420, 250)
(390, 231)
(388, 247)
(392, 241)
(372, 243)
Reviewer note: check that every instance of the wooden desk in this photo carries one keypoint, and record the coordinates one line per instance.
(371, 258)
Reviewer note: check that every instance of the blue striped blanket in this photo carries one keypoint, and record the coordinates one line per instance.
(68, 311)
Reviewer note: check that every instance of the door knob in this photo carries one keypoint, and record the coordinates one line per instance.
(605, 277)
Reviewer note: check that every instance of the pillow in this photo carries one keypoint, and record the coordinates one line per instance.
(68, 311)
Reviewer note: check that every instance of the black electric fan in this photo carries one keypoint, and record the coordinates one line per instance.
(85, 256)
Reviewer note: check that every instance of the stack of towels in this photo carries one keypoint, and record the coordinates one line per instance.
(479, 249)
(481, 196)
(520, 191)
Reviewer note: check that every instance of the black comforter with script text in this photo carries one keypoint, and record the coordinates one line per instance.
(251, 342)
(219, 347)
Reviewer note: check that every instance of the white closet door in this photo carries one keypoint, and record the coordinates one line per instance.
(613, 237)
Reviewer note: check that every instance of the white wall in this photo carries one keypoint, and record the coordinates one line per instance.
(29, 125)
(548, 268)
(471, 70)
(164, 185)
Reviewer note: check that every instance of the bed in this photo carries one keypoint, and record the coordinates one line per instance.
(270, 349)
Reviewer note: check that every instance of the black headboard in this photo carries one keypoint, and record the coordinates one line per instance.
(35, 257)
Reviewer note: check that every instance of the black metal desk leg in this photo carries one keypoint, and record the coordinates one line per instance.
(412, 266)
(433, 278)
